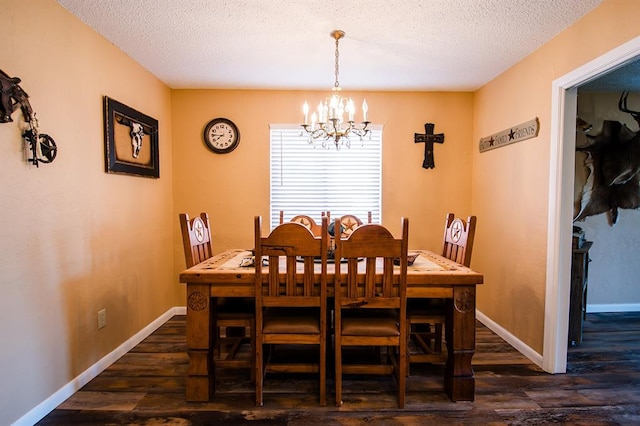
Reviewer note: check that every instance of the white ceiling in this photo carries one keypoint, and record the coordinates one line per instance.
(453, 45)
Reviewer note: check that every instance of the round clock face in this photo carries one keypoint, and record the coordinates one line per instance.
(221, 135)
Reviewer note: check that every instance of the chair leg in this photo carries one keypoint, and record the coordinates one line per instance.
(252, 342)
(216, 346)
(402, 373)
(259, 376)
(338, 379)
(323, 373)
(408, 339)
(437, 344)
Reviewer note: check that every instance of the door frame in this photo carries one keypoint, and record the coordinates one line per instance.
(560, 213)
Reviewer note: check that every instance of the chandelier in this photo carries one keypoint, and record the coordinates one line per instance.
(328, 122)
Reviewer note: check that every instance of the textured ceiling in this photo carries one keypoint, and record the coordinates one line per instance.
(285, 44)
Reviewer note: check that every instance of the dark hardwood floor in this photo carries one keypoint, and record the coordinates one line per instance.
(601, 387)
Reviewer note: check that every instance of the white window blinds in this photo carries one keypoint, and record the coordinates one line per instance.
(308, 180)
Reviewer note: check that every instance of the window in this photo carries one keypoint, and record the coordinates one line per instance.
(308, 180)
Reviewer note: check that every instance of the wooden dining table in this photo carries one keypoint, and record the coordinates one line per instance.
(430, 276)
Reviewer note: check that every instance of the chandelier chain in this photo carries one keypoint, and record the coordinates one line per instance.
(337, 84)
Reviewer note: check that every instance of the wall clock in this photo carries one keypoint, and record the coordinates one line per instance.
(221, 135)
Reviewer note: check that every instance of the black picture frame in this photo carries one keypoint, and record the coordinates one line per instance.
(130, 141)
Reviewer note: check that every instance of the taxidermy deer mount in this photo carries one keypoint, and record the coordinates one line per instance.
(43, 147)
(613, 163)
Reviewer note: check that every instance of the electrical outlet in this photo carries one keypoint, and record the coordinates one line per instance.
(102, 318)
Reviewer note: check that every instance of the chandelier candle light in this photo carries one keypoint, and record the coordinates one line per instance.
(328, 121)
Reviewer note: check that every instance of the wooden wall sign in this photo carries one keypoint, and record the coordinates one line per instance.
(514, 134)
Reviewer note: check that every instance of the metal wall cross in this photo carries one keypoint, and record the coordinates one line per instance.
(428, 138)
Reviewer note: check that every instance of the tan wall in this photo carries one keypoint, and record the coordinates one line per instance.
(510, 184)
(235, 187)
(73, 238)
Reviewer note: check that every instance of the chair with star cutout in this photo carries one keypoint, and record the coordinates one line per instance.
(234, 339)
(426, 317)
(370, 305)
(291, 303)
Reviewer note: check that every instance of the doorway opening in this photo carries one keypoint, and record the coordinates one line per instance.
(561, 185)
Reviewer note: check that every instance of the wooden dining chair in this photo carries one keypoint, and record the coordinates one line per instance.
(291, 301)
(234, 316)
(370, 303)
(426, 317)
(458, 239)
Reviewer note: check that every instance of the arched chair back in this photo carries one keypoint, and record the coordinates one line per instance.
(426, 317)
(233, 316)
(291, 300)
(458, 239)
(370, 302)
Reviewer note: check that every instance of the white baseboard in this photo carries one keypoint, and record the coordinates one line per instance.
(518, 344)
(613, 307)
(49, 404)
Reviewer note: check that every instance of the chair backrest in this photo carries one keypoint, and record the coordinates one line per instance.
(297, 246)
(306, 220)
(369, 217)
(381, 288)
(458, 239)
(350, 222)
(196, 238)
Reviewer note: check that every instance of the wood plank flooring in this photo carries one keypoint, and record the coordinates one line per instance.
(602, 387)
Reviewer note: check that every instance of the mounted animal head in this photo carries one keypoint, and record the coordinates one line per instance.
(613, 161)
(12, 95)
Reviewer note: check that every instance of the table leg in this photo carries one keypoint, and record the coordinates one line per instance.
(201, 373)
(461, 343)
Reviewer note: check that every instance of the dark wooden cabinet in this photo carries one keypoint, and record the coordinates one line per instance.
(578, 297)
